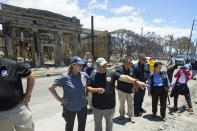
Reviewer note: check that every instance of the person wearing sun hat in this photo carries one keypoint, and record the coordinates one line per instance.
(73, 83)
(102, 86)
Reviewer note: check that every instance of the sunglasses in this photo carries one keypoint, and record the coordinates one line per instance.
(77, 64)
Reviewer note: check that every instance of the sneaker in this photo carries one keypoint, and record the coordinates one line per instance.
(121, 117)
(132, 120)
(174, 108)
(191, 111)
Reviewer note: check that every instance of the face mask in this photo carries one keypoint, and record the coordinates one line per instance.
(89, 64)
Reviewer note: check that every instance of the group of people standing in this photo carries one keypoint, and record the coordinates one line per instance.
(90, 83)
(100, 82)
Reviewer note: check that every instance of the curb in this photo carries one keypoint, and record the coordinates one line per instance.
(47, 75)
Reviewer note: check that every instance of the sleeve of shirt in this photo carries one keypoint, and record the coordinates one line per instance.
(173, 61)
(168, 81)
(116, 75)
(134, 72)
(23, 71)
(86, 77)
(59, 81)
(149, 83)
(118, 70)
(90, 81)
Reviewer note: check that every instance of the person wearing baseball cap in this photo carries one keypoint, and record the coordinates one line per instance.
(88, 55)
(181, 87)
(102, 86)
(73, 83)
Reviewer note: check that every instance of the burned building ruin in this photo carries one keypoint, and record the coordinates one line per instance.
(42, 37)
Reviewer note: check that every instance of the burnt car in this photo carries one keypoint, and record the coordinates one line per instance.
(180, 60)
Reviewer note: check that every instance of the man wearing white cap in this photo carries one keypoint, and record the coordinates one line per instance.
(102, 86)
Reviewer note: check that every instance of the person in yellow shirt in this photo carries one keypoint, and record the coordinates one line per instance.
(151, 63)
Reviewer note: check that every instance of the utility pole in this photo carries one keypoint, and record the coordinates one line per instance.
(195, 47)
(92, 34)
(190, 37)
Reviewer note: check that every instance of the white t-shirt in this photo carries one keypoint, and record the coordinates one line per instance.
(182, 79)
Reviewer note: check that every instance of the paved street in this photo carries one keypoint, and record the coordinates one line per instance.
(47, 112)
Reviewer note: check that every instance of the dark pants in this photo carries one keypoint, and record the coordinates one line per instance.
(183, 90)
(138, 100)
(69, 117)
(170, 74)
(159, 93)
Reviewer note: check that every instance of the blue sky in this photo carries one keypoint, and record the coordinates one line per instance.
(165, 17)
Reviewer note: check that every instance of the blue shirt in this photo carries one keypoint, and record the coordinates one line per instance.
(89, 71)
(140, 71)
(158, 81)
(73, 89)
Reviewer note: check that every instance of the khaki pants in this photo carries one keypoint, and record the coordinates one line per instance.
(90, 100)
(122, 98)
(17, 119)
(108, 114)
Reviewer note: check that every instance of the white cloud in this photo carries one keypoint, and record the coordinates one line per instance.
(65, 7)
(122, 9)
(138, 11)
(135, 23)
(157, 20)
(71, 8)
(93, 4)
